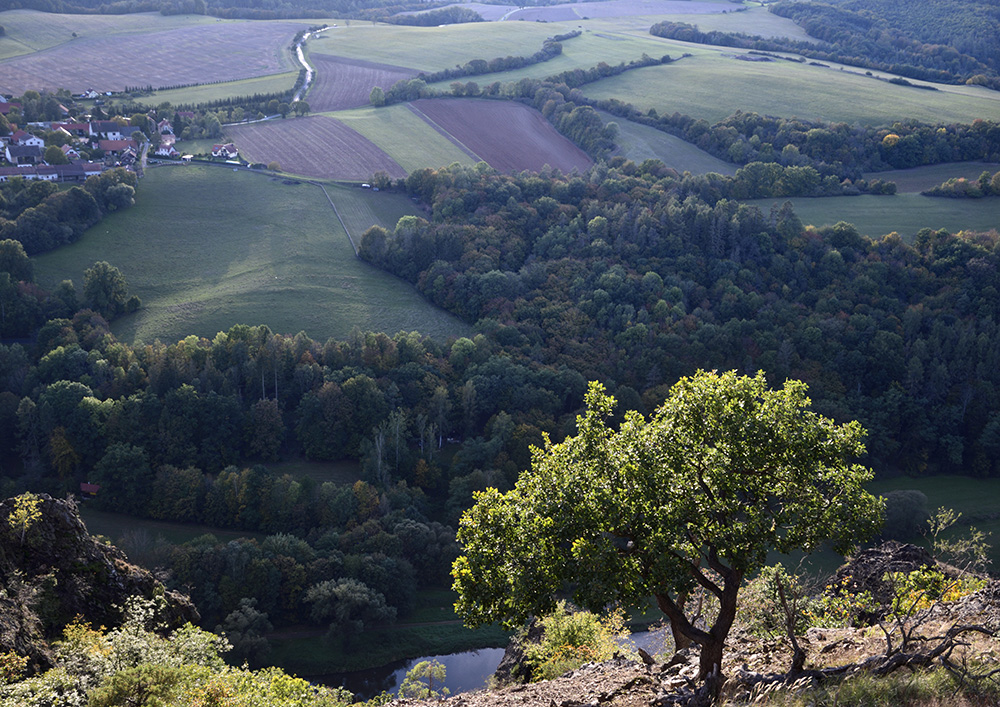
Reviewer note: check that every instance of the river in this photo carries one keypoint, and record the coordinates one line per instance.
(465, 671)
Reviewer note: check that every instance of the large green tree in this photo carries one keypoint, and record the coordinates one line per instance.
(725, 471)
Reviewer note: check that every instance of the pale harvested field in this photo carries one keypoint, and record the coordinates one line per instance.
(316, 146)
(600, 9)
(223, 51)
(508, 136)
(347, 83)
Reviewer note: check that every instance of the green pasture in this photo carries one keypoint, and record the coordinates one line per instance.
(342, 472)
(711, 84)
(206, 248)
(906, 214)
(583, 52)
(193, 95)
(117, 525)
(432, 48)
(920, 179)
(404, 136)
(361, 208)
(31, 31)
(638, 142)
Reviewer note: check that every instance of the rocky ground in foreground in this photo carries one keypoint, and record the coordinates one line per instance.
(755, 665)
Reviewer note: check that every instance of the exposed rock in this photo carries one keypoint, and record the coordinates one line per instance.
(865, 571)
(58, 572)
(513, 669)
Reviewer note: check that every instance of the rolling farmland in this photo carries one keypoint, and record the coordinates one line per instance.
(316, 146)
(347, 83)
(508, 136)
(404, 136)
(712, 84)
(221, 51)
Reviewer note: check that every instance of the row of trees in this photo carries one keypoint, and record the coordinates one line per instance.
(961, 188)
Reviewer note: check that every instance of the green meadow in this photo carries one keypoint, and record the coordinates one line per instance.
(712, 84)
(640, 142)
(404, 136)
(906, 214)
(206, 248)
(193, 95)
(432, 48)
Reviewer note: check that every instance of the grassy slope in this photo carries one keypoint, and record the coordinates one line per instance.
(404, 137)
(640, 142)
(711, 84)
(876, 216)
(248, 250)
(432, 48)
(274, 83)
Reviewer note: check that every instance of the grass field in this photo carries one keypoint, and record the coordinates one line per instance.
(275, 83)
(906, 214)
(361, 209)
(404, 137)
(711, 84)
(206, 248)
(640, 142)
(432, 48)
(921, 178)
(116, 525)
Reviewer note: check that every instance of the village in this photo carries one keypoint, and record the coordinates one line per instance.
(75, 148)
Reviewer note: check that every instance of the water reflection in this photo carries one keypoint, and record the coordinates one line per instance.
(465, 671)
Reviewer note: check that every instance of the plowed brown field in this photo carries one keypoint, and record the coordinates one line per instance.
(316, 146)
(225, 51)
(508, 136)
(346, 83)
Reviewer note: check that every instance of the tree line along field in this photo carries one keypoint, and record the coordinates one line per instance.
(904, 213)
(347, 83)
(248, 249)
(205, 93)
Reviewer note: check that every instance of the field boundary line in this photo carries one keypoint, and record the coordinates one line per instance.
(349, 237)
(454, 140)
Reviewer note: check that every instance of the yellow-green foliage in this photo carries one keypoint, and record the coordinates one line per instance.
(921, 588)
(135, 665)
(574, 638)
(25, 514)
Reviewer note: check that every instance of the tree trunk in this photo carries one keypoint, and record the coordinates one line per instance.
(710, 665)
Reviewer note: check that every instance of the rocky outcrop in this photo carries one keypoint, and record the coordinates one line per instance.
(865, 571)
(52, 571)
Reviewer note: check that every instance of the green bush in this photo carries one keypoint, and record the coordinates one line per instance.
(573, 638)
